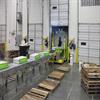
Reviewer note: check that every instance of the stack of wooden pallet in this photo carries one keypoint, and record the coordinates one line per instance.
(90, 78)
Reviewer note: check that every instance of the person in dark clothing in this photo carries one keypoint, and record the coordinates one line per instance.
(1, 55)
(72, 45)
(46, 42)
(25, 39)
(60, 42)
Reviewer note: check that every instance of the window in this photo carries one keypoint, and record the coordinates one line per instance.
(90, 2)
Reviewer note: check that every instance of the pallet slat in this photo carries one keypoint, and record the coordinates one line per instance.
(64, 69)
(49, 84)
(56, 75)
(35, 94)
(30, 97)
(39, 92)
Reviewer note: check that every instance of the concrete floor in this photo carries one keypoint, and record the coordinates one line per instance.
(70, 88)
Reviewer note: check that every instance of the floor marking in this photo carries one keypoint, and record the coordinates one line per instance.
(70, 91)
(92, 97)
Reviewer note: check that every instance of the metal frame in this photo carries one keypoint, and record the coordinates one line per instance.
(27, 76)
(42, 20)
(28, 20)
(78, 24)
(50, 27)
(90, 3)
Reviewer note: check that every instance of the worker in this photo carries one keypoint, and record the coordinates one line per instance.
(46, 44)
(24, 41)
(24, 47)
(60, 42)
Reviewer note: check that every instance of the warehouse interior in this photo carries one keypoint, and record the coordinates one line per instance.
(49, 49)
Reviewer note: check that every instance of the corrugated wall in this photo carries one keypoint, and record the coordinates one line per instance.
(59, 12)
(89, 33)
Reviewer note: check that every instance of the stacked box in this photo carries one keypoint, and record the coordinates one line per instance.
(20, 60)
(44, 54)
(90, 78)
(35, 57)
(3, 65)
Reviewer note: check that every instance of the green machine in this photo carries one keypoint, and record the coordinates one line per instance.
(59, 44)
(35, 57)
(44, 54)
(38, 56)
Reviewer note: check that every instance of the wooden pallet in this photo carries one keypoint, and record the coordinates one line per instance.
(64, 69)
(35, 94)
(90, 91)
(56, 75)
(39, 92)
(91, 76)
(49, 84)
(89, 81)
(90, 86)
(31, 97)
(92, 69)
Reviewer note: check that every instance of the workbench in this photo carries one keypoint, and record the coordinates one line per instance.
(17, 79)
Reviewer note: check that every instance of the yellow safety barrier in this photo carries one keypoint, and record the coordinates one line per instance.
(77, 56)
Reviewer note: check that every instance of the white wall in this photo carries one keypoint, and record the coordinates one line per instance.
(24, 19)
(87, 15)
(11, 24)
(89, 33)
(2, 11)
(90, 14)
(35, 11)
(73, 19)
(8, 12)
(46, 18)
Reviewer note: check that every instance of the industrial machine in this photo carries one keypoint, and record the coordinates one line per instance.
(59, 44)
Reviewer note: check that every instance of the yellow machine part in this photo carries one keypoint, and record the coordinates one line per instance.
(77, 56)
(60, 61)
